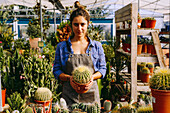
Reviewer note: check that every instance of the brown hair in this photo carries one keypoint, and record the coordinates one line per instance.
(80, 11)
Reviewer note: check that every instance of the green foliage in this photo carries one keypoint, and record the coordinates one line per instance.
(126, 40)
(16, 102)
(95, 32)
(149, 18)
(109, 52)
(21, 44)
(82, 75)
(146, 70)
(43, 94)
(161, 79)
(34, 28)
(49, 52)
(38, 73)
(12, 73)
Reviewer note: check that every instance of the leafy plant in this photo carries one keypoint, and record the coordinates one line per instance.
(16, 102)
(63, 31)
(149, 18)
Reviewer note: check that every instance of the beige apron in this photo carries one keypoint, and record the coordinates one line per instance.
(69, 94)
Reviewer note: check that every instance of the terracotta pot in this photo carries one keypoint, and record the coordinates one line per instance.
(139, 23)
(144, 48)
(145, 77)
(161, 100)
(138, 75)
(3, 97)
(44, 103)
(81, 87)
(151, 70)
(34, 42)
(139, 49)
(150, 23)
(149, 48)
(153, 51)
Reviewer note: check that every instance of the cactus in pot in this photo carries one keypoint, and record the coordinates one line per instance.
(147, 109)
(150, 65)
(160, 90)
(107, 105)
(145, 74)
(82, 75)
(43, 94)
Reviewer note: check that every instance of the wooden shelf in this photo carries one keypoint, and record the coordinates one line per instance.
(141, 86)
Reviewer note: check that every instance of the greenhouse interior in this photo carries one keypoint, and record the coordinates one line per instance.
(84, 56)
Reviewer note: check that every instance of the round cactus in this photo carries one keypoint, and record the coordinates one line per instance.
(28, 110)
(146, 70)
(43, 94)
(160, 79)
(107, 105)
(82, 75)
(150, 65)
(141, 67)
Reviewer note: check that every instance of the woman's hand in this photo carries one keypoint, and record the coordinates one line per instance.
(74, 85)
(88, 86)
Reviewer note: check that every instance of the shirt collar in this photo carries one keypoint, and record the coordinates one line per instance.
(90, 44)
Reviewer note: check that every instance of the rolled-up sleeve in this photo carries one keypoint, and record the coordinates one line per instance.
(57, 63)
(102, 61)
(99, 60)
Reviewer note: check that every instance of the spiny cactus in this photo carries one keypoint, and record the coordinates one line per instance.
(150, 65)
(92, 108)
(28, 110)
(107, 105)
(160, 79)
(145, 70)
(141, 66)
(82, 75)
(43, 94)
(147, 109)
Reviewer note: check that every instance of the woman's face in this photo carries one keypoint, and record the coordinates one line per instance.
(79, 26)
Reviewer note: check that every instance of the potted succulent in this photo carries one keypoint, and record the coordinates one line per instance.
(150, 65)
(160, 89)
(145, 75)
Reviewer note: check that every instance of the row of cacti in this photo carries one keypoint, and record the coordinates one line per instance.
(82, 75)
(89, 108)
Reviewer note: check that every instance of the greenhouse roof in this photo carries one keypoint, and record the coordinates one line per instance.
(161, 6)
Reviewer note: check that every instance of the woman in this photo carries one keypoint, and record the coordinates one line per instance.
(79, 50)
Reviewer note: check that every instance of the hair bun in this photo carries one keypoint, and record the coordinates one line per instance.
(77, 5)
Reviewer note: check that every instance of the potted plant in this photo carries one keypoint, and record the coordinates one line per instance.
(144, 47)
(150, 65)
(34, 28)
(149, 22)
(126, 42)
(140, 44)
(160, 89)
(145, 75)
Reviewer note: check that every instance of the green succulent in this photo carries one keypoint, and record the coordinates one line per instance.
(147, 109)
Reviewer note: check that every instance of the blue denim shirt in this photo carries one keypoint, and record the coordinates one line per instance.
(62, 54)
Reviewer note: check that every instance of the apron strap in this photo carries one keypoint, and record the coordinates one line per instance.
(68, 48)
